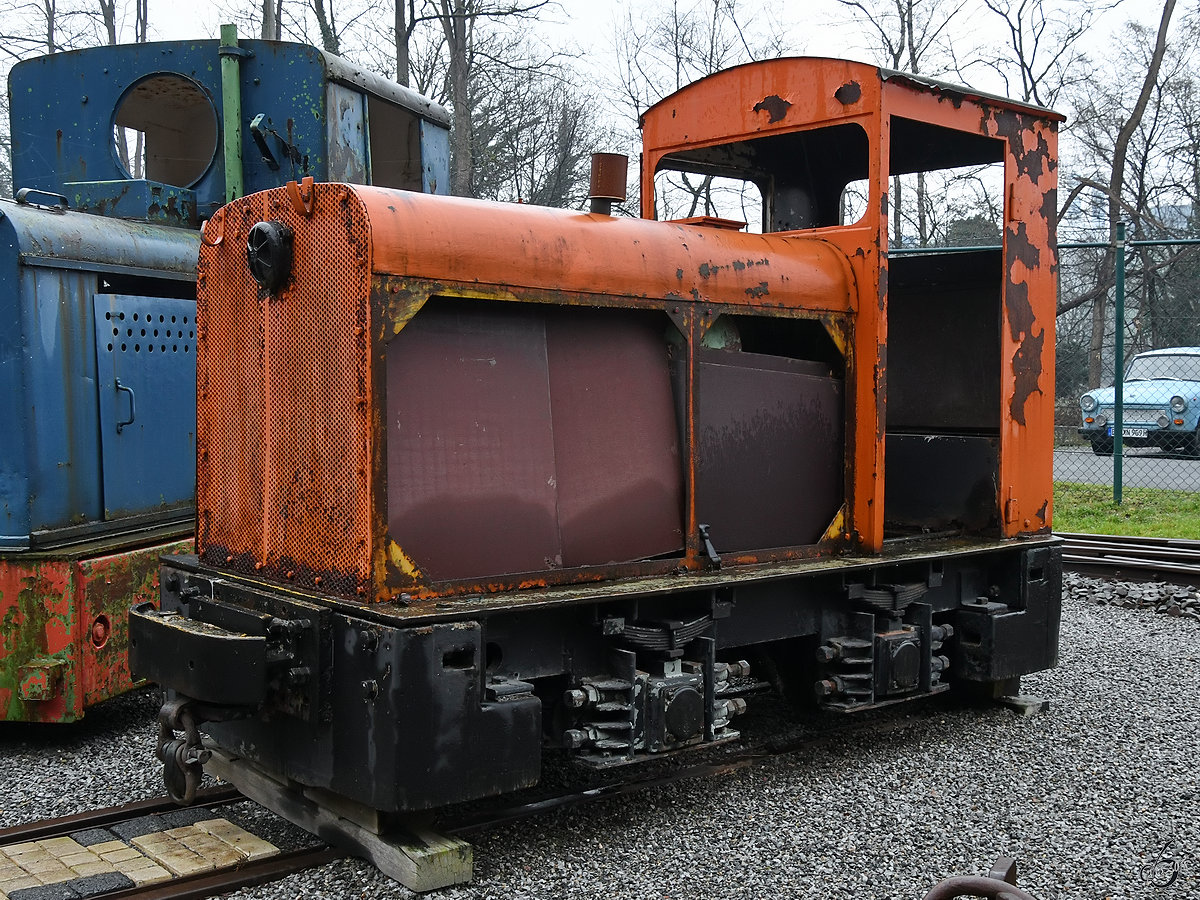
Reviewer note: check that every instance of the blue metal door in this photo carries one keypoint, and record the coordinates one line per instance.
(146, 380)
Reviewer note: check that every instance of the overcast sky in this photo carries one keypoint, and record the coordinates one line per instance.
(814, 27)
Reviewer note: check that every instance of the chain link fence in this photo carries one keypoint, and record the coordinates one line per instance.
(1141, 318)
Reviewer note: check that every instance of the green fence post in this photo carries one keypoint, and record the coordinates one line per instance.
(1119, 368)
(231, 102)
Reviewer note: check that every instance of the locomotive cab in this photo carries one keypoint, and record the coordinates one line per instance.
(488, 479)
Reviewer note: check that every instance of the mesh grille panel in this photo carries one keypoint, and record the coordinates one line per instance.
(229, 397)
(303, 389)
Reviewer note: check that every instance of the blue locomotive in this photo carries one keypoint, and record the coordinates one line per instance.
(119, 154)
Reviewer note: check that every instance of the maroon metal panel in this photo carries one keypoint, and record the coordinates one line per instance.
(770, 450)
(523, 439)
(469, 446)
(616, 446)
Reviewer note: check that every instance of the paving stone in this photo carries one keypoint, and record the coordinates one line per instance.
(91, 836)
(108, 847)
(18, 849)
(61, 846)
(245, 843)
(137, 827)
(182, 861)
(36, 864)
(99, 867)
(104, 883)
(156, 839)
(54, 876)
(151, 874)
(44, 892)
(123, 854)
(13, 885)
(190, 815)
(78, 859)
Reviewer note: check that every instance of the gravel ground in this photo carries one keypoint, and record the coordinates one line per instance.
(1083, 796)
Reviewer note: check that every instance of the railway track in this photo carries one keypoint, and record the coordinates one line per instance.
(1173, 560)
(39, 837)
(461, 823)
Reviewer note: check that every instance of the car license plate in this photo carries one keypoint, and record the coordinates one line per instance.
(1129, 432)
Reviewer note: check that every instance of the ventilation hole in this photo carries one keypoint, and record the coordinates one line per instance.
(185, 320)
(191, 334)
(129, 332)
(108, 315)
(149, 348)
(121, 316)
(135, 317)
(116, 331)
(492, 656)
(162, 348)
(172, 318)
(160, 318)
(122, 348)
(185, 348)
(137, 348)
(174, 348)
(459, 658)
(110, 348)
(156, 332)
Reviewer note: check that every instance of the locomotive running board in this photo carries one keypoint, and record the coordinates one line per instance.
(418, 858)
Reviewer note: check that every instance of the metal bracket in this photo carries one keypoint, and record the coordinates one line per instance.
(709, 550)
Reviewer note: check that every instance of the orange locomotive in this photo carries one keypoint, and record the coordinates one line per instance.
(476, 479)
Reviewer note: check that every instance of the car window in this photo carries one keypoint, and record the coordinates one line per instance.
(1149, 368)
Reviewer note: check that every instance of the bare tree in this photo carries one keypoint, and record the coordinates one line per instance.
(534, 130)
(913, 35)
(459, 19)
(35, 27)
(1042, 53)
(271, 14)
(667, 45)
(1116, 183)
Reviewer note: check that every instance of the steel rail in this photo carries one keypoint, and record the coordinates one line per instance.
(191, 887)
(222, 881)
(1174, 560)
(98, 818)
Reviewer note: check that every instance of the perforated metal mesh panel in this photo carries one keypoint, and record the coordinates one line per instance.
(283, 406)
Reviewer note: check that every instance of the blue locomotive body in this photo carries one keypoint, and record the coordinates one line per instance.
(119, 153)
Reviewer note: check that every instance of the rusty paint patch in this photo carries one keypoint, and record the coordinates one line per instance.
(50, 668)
(774, 106)
(848, 93)
(40, 679)
(759, 290)
(1031, 152)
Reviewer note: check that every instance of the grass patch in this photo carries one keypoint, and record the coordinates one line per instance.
(1144, 512)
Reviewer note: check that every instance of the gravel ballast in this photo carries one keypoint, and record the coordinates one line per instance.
(1083, 796)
